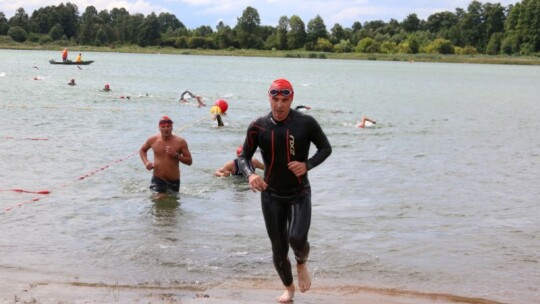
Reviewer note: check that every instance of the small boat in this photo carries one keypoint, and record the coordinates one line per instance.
(69, 62)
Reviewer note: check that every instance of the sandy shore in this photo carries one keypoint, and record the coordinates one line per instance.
(17, 287)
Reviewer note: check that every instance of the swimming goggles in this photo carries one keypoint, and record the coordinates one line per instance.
(284, 92)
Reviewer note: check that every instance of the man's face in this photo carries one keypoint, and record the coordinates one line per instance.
(280, 105)
(165, 129)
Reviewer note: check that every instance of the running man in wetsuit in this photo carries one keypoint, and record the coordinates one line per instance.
(169, 151)
(284, 137)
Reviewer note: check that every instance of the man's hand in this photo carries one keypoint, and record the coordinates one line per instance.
(256, 183)
(298, 168)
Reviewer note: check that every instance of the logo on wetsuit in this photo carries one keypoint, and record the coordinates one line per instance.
(291, 145)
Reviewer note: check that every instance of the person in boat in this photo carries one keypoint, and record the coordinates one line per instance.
(169, 151)
(231, 167)
(72, 82)
(284, 137)
(365, 122)
(64, 55)
(79, 58)
(197, 97)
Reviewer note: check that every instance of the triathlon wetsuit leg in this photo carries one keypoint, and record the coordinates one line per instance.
(300, 222)
(287, 222)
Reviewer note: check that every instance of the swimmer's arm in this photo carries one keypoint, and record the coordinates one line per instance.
(143, 154)
(257, 164)
(226, 170)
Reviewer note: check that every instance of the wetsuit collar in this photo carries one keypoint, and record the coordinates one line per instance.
(275, 122)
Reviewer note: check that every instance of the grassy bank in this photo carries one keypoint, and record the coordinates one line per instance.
(6, 43)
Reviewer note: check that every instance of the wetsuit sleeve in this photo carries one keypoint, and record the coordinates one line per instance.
(324, 149)
(250, 146)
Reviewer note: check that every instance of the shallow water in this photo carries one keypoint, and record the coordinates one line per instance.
(441, 195)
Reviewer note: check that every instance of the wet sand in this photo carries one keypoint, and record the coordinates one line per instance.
(19, 287)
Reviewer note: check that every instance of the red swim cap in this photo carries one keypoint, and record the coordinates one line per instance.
(238, 150)
(165, 120)
(281, 84)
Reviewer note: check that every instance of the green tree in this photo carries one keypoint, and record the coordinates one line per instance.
(472, 26)
(442, 21)
(281, 33)
(56, 32)
(69, 18)
(89, 22)
(203, 31)
(20, 19)
(529, 27)
(316, 29)
(4, 26)
(224, 36)
(149, 31)
(494, 44)
(296, 38)
(247, 29)
(356, 26)
(120, 19)
(337, 33)
(411, 23)
(169, 21)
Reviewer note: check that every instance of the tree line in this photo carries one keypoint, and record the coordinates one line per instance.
(488, 28)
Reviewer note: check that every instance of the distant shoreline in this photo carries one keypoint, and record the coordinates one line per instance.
(472, 59)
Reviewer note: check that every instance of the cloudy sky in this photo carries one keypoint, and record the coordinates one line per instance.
(194, 13)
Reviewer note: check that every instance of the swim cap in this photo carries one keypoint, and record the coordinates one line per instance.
(165, 120)
(238, 150)
(281, 84)
(107, 86)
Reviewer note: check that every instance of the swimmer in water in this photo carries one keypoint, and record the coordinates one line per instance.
(231, 167)
(365, 122)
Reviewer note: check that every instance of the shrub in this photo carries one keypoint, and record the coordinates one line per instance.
(45, 39)
(17, 33)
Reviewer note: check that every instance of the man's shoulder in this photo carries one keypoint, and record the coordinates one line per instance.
(261, 120)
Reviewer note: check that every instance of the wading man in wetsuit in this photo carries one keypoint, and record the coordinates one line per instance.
(284, 137)
(169, 151)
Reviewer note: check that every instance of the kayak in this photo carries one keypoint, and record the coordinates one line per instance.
(52, 61)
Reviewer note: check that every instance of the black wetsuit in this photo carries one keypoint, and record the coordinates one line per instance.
(286, 203)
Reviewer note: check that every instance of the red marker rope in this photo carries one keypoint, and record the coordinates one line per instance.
(28, 191)
(66, 184)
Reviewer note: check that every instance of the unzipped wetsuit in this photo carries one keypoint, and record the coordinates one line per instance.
(286, 202)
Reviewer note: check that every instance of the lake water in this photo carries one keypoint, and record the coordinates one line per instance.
(441, 195)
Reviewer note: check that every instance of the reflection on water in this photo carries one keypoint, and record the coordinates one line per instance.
(166, 210)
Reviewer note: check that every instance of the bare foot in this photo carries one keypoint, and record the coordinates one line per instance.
(304, 278)
(287, 295)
